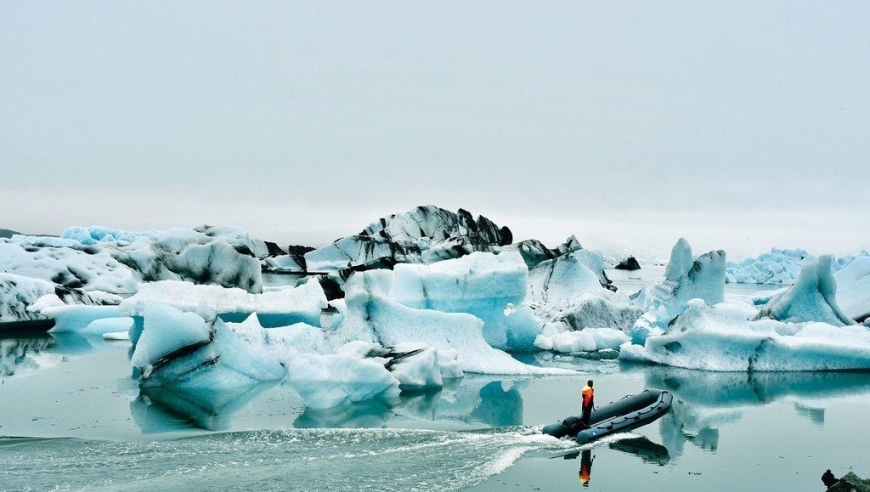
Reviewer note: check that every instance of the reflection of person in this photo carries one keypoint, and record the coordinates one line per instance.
(829, 479)
(588, 402)
(586, 466)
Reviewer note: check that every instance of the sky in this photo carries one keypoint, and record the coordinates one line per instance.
(740, 126)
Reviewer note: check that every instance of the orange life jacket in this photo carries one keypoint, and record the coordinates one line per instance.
(588, 395)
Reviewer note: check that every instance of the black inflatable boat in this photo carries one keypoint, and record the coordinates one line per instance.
(623, 415)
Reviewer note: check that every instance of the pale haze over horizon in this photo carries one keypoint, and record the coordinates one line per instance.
(738, 125)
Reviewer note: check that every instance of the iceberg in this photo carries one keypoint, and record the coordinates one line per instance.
(779, 266)
(402, 238)
(70, 265)
(373, 317)
(588, 340)
(481, 284)
(853, 289)
(24, 298)
(723, 338)
(685, 278)
(282, 307)
(565, 294)
(198, 353)
(811, 298)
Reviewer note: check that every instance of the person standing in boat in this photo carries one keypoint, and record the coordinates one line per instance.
(588, 402)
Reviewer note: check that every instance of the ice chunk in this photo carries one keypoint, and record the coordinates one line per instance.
(559, 280)
(721, 338)
(564, 291)
(74, 266)
(86, 320)
(184, 351)
(779, 266)
(853, 288)
(280, 341)
(534, 251)
(302, 304)
(481, 284)
(811, 298)
(326, 381)
(589, 340)
(415, 366)
(403, 237)
(372, 317)
(685, 279)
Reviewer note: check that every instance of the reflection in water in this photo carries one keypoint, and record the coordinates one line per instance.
(494, 403)
(365, 414)
(26, 355)
(815, 415)
(706, 401)
(165, 409)
(586, 467)
(735, 389)
(646, 450)
(499, 406)
(642, 447)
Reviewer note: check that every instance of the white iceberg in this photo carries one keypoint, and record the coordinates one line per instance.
(481, 284)
(779, 266)
(813, 297)
(853, 288)
(283, 307)
(373, 317)
(685, 278)
(566, 294)
(402, 238)
(588, 340)
(188, 352)
(722, 338)
(74, 266)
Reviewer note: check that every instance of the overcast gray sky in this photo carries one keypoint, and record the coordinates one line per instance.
(738, 125)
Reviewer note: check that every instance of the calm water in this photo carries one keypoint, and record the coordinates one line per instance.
(75, 420)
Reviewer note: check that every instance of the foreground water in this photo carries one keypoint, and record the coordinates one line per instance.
(82, 424)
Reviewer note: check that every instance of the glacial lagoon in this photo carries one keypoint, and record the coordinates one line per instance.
(73, 418)
(82, 424)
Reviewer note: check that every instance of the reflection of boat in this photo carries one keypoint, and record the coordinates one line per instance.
(623, 415)
(647, 450)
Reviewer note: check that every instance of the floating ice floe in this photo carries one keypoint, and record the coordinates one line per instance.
(197, 353)
(723, 338)
(22, 298)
